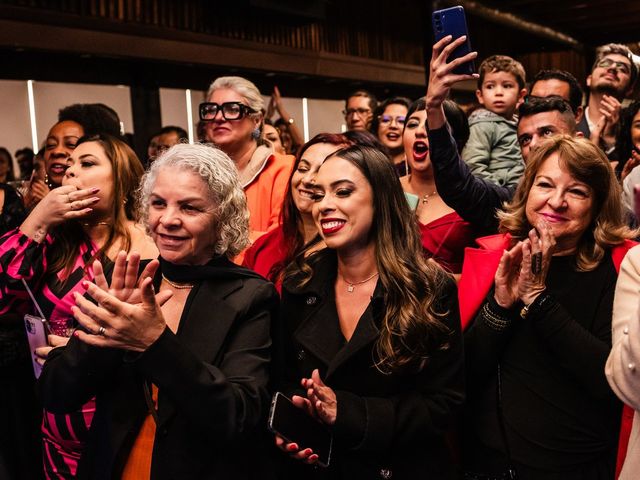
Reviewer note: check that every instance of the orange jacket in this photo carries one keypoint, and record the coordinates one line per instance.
(265, 193)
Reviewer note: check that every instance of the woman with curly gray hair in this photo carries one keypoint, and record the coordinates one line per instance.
(178, 357)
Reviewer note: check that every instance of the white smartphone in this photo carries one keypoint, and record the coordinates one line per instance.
(36, 328)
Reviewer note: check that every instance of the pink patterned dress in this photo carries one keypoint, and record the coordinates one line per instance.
(63, 435)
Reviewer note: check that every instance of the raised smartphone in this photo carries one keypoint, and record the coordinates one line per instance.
(37, 336)
(452, 21)
(296, 426)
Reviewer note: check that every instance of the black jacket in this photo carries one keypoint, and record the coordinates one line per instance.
(474, 199)
(387, 426)
(212, 380)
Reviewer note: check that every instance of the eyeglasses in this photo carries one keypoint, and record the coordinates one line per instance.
(230, 110)
(388, 119)
(356, 111)
(620, 66)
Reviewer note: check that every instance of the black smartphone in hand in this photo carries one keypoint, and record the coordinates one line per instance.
(452, 21)
(296, 426)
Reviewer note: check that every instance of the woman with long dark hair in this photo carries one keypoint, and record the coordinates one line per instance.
(371, 330)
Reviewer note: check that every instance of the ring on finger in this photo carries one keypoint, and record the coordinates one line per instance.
(536, 263)
(101, 331)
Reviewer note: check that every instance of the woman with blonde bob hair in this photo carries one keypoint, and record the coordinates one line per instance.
(233, 122)
(536, 303)
(373, 333)
(177, 357)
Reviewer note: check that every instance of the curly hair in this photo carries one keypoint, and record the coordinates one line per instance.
(219, 174)
(586, 163)
(412, 329)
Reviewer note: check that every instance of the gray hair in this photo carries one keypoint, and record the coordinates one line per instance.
(243, 87)
(220, 175)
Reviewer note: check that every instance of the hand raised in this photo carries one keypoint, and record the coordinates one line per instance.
(118, 324)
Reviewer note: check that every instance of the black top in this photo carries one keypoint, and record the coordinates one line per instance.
(558, 409)
(473, 198)
(211, 376)
(13, 212)
(387, 425)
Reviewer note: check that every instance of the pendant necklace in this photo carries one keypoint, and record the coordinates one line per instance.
(426, 196)
(179, 286)
(351, 286)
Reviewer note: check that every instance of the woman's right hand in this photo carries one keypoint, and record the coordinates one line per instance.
(507, 276)
(59, 205)
(305, 455)
(442, 78)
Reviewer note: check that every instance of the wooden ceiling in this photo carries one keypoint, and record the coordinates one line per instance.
(591, 22)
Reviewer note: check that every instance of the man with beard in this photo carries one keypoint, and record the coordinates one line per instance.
(612, 78)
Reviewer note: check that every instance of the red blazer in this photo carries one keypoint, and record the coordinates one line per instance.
(478, 271)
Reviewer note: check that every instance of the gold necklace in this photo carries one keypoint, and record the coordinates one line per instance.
(426, 196)
(179, 286)
(351, 285)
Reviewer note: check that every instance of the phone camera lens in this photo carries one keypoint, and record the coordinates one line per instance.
(30, 327)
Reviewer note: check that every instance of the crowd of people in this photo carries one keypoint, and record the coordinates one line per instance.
(447, 296)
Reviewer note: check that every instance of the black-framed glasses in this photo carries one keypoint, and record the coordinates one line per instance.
(388, 119)
(356, 111)
(230, 110)
(619, 66)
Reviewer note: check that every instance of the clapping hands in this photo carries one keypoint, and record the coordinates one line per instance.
(522, 271)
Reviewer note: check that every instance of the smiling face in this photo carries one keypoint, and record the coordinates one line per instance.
(343, 209)
(415, 141)
(60, 142)
(302, 180)
(230, 135)
(562, 201)
(500, 93)
(390, 126)
(87, 167)
(612, 79)
(182, 217)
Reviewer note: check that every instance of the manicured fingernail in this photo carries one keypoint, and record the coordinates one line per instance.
(76, 334)
(85, 284)
(95, 190)
(313, 457)
(293, 447)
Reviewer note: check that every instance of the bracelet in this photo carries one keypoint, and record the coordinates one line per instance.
(540, 302)
(493, 320)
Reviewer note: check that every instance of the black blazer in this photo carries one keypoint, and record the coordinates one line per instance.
(387, 426)
(212, 379)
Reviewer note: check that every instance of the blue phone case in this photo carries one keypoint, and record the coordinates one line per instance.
(452, 21)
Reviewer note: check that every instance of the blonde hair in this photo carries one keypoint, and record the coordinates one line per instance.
(243, 87)
(219, 174)
(586, 163)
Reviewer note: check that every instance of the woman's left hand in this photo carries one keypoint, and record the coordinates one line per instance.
(323, 398)
(117, 324)
(537, 251)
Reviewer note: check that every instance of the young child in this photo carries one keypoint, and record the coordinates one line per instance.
(492, 151)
